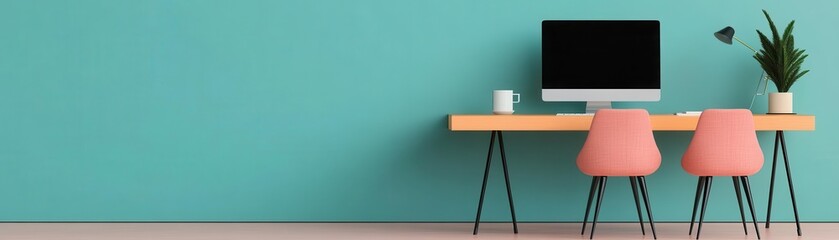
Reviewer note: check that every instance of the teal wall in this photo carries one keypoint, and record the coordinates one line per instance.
(337, 110)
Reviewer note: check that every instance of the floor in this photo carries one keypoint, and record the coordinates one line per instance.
(437, 231)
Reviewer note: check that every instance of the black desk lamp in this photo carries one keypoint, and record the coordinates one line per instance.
(726, 35)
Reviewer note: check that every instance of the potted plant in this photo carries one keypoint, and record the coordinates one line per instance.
(782, 63)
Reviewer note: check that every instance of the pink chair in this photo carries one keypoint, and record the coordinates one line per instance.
(619, 143)
(725, 144)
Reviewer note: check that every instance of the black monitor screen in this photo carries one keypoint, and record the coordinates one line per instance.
(600, 54)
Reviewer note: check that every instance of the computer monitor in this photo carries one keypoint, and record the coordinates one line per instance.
(600, 61)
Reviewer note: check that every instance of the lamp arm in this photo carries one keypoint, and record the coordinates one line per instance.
(744, 44)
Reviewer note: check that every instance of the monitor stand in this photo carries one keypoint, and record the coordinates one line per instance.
(593, 106)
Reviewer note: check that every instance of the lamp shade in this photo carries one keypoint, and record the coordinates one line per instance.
(725, 35)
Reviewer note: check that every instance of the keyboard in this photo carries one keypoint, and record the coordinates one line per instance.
(575, 114)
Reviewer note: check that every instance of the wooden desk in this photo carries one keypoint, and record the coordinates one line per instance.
(667, 122)
(498, 123)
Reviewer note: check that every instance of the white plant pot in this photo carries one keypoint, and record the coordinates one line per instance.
(780, 102)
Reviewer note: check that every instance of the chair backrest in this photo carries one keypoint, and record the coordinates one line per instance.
(620, 143)
(724, 144)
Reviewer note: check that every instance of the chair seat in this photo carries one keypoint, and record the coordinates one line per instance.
(711, 167)
(639, 166)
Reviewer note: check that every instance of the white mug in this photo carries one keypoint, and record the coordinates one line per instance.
(502, 101)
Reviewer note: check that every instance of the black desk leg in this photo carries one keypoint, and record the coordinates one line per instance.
(772, 178)
(779, 138)
(484, 186)
(506, 179)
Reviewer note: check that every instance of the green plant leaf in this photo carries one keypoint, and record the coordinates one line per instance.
(788, 30)
(779, 58)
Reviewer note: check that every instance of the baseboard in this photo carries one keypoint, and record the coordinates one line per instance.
(385, 222)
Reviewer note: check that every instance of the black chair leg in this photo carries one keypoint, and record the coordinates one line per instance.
(708, 181)
(637, 204)
(642, 181)
(699, 186)
(749, 198)
(740, 203)
(600, 192)
(594, 181)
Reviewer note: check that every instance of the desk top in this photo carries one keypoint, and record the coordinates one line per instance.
(663, 122)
